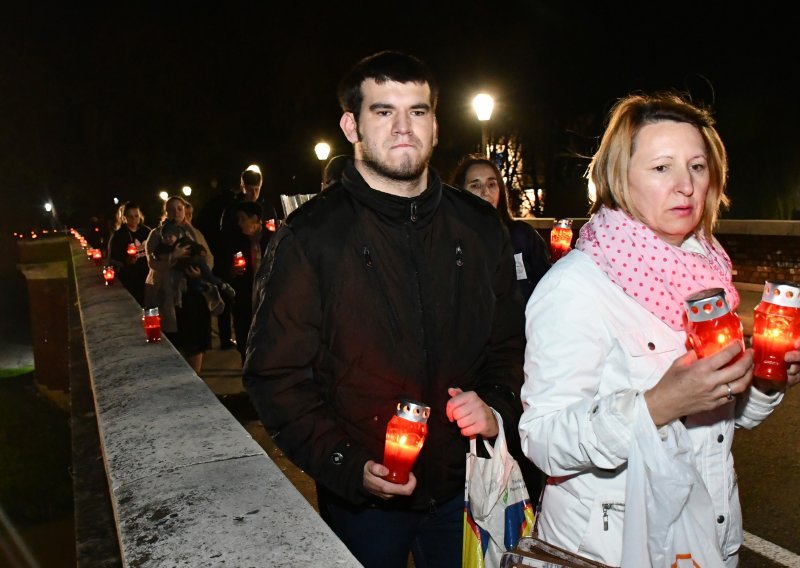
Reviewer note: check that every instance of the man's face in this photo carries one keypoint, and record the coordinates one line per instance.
(251, 192)
(396, 130)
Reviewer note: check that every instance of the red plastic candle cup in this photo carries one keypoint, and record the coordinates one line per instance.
(152, 325)
(239, 260)
(97, 256)
(269, 225)
(109, 275)
(131, 249)
(711, 325)
(560, 238)
(405, 435)
(776, 326)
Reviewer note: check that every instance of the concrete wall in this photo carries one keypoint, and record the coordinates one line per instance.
(188, 485)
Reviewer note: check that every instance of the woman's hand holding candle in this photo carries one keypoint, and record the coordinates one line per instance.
(793, 372)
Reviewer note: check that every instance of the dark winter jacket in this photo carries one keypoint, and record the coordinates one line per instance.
(365, 298)
(532, 251)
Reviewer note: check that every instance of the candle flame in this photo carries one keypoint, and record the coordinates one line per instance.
(403, 439)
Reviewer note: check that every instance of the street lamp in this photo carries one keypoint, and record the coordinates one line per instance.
(187, 191)
(483, 105)
(48, 206)
(322, 150)
(163, 195)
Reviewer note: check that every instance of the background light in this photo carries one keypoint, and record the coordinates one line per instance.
(253, 168)
(163, 195)
(48, 207)
(483, 105)
(116, 201)
(187, 191)
(322, 150)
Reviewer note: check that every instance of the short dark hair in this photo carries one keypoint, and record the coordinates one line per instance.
(251, 177)
(249, 208)
(382, 67)
(459, 180)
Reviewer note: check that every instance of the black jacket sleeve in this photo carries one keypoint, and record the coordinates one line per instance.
(278, 374)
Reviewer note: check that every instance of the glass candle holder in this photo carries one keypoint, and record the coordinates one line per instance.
(239, 260)
(131, 250)
(711, 325)
(560, 238)
(776, 327)
(109, 275)
(152, 325)
(405, 436)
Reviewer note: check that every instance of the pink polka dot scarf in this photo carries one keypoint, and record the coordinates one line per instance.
(651, 271)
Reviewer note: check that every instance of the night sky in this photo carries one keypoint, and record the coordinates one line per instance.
(125, 100)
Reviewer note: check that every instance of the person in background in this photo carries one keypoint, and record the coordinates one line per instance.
(660, 174)
(334, 168)
(252, 244)
(481, 177)
(131, 268)
(185, 318)
(388, 285)
(209, 220)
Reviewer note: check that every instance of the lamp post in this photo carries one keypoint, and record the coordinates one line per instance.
(483, 105)
(322, 150)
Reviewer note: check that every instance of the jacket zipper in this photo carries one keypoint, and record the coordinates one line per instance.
(459, 278)
(413, 211)
(619, 507)
(387, 304)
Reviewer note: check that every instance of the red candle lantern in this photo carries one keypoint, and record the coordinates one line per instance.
(152, 324)
(132, 250)
(97, 256)
(89, 252)
(560, 238)
(269, 225)
(239, 260)
(405, 435)
(711, 325)
(776, 326)
(108, 275)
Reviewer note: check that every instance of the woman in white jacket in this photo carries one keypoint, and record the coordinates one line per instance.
(605, 332)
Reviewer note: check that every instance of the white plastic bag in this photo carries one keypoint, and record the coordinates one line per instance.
(669, 516)
(498, 509)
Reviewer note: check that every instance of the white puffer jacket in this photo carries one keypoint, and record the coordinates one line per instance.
(590, 351)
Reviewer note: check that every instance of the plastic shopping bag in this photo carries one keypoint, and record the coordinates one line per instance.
(497, 507)
(669, 517)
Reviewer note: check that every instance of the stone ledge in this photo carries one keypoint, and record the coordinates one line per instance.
(189, 486)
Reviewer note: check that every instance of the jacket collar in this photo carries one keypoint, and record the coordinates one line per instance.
(417, 210)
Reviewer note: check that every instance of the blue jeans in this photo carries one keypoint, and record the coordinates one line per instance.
(382, 538)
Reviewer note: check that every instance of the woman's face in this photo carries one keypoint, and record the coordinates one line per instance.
(132, 218)
(481, 180)
(668, 179)
(175, 211)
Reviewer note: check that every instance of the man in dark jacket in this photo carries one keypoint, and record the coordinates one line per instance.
(388, 285)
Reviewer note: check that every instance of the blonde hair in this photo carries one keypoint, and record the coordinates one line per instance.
(608, 170)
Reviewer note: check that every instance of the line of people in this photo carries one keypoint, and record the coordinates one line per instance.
(190, 278)
(392, 285)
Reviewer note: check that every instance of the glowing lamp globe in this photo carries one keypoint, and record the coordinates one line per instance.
(711, 325)
(776, 327)
(405, 436)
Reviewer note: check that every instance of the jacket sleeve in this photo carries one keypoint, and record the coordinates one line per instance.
(567, 426)
(116, 254)
(501, 376)
(284, 340)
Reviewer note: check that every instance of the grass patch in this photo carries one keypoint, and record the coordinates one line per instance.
(7, 373)
(35, 455)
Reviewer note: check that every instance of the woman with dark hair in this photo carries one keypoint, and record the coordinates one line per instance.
(126, 249)
(481, 177)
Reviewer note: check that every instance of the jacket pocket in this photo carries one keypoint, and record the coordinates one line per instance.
(650, 351)
(603, 537)
(376, 282)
